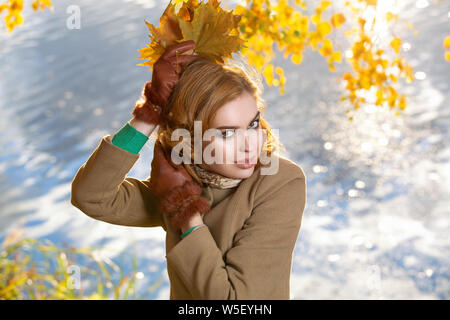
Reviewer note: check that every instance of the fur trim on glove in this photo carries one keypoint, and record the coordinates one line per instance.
(200, 205)
(182, 202)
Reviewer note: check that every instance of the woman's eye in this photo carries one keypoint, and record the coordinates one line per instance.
(224, 133)
(255, 124)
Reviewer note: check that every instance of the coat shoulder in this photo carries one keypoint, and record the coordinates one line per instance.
(282, 169)
(288, 168)
(285, 170)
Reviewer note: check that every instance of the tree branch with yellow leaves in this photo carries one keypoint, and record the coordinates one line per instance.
(14, 8)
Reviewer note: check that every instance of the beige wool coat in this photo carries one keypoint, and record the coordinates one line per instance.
(245, 249)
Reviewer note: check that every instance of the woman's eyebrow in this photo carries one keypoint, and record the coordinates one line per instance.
(236, 127)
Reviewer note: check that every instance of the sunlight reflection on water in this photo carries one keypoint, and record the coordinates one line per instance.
(376, 222)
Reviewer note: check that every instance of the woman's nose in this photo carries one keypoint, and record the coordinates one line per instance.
(244, 142)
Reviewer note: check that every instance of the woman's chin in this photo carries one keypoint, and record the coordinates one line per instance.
(242, 172)
(233, 171)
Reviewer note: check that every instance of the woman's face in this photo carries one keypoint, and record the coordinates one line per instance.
(238, 139)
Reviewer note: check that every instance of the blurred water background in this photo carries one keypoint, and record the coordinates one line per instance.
(376, 223)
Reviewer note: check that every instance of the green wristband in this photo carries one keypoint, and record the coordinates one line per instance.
(189, 231)
(130, 139)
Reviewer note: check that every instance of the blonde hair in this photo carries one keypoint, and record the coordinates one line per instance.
(203, 88)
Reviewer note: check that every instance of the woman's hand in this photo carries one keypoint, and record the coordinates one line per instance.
(165, 175)
(178, 193)
(166, 74)
(167, 71)
(195, 220)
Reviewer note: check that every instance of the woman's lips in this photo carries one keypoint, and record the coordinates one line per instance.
(245, 166)
(247, 163)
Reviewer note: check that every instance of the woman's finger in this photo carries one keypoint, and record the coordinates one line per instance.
(183, 59)
(179, 47)
(178, 62)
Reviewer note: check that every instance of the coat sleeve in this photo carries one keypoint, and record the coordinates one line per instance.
(101, 190)
(258, 265)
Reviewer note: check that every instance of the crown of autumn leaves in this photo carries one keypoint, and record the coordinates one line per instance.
(214, 30)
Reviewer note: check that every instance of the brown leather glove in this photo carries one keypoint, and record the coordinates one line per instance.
(178, 193)
(166, 74)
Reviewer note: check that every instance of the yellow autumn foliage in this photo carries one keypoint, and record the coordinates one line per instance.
(14, 8)
(213, 29)
(254, 27)
(288, 27)
(447, 46)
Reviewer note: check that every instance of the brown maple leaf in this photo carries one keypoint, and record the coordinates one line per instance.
(214, 31)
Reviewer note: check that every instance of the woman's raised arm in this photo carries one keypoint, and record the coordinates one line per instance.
(101, 190)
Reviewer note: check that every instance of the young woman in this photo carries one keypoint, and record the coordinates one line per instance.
(230, 228)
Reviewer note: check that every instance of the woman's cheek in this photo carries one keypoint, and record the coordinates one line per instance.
(212, 152)
(256, 141)
(224, 151)
(261, 140)
(227, 149)
(221, 149)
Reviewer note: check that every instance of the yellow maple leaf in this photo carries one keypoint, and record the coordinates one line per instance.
(214, 31)
(268, 74)
(327, 48)
(315, 19)
(336, 56)
(167, 34)
(371, 2)
(447, 42)
(325, 4)
(395, 44)
(324, 28)
(169, 30)
(391, 16)
(41, 4)
(301, 4)
(256, 60)
(337, 20)
(402, 102)
(297, 58)
(178, 4)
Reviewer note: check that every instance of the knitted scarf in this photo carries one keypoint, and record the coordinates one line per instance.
(214, 179)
